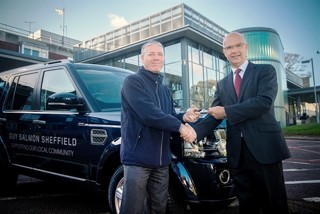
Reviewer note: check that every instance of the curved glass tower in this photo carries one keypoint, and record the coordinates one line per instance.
(265, 47)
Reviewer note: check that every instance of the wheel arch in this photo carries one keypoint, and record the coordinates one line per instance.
(108, 164)
(180, 176)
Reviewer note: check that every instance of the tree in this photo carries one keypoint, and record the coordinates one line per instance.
(293, 64)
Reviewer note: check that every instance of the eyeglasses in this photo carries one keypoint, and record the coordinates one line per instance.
(237, 47)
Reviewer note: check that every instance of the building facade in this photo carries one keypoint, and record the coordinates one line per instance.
(265, 47)
(194, 61)
(19, 47)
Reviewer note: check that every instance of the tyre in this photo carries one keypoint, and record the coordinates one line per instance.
(175, 204)
(115, 190)
(8, 179)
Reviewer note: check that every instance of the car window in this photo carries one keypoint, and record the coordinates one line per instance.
(21, 92)
(2, 84)
(104, 86)
(54, 81)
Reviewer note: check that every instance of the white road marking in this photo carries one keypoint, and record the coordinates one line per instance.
(298, 170)
(303, 182)
(295, 162)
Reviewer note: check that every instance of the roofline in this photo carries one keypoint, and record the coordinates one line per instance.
(252, 29)
(185, 31)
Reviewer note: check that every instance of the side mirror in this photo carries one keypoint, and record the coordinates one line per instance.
(64, 101)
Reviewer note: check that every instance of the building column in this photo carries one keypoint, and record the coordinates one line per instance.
(185, 73)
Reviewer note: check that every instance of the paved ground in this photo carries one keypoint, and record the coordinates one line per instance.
(302, 137)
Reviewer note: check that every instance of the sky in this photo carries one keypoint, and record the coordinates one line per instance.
(296, 21)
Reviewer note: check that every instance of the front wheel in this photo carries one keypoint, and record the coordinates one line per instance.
(175, 204)
(115, 190)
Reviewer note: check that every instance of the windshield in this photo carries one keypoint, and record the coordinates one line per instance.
(104, 86)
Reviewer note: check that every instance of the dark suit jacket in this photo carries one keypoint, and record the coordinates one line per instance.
(252, 116)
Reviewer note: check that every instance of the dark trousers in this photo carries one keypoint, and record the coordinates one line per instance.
(260, 188)
(145, 190)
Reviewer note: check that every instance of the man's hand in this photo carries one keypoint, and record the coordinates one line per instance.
(188, 133)
(217, 112)
(191, 115)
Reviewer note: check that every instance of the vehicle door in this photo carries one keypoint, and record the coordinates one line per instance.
(18, 113)
(63, 140)
(49, 141)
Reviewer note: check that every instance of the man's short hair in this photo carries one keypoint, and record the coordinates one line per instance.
(151, 42)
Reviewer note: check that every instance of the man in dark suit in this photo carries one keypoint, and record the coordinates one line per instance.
(255, 143)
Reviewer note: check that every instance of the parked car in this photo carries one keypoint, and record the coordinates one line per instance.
(61, 120)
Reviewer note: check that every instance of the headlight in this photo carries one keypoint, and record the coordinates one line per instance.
(211, 146)
(193, 150)
(221, 144)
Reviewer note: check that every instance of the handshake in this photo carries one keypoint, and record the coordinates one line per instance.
(186, 131)
(192, 115)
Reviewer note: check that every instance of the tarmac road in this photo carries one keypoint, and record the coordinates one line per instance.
(302, 175)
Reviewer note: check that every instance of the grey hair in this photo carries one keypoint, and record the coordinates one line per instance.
(151, 42)
(236, 33)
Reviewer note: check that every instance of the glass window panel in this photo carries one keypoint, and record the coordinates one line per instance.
(224, 68)
(2, 84)
(27, 51)
(207, 59)
(193, 52)
(173, 79)
(196, 85)
(119, 62)
(35, 53)
(104, 86)
(22, 92)
(172, 53)
(132, 62)
(210, 87)
(54, 81)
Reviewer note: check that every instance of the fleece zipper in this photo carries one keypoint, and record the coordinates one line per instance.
(159, 103)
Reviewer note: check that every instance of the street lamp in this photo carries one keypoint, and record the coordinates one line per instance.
(314, 87)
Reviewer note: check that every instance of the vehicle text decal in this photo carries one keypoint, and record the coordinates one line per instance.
(46, 140)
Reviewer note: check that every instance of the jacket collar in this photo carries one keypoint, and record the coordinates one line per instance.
(150, 75)
(245, 80)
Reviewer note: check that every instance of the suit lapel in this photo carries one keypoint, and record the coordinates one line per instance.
(230, 85)
(245, 80)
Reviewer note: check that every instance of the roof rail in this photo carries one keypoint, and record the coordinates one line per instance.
(57, 61)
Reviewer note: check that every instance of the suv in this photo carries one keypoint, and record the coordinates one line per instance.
(62, 120)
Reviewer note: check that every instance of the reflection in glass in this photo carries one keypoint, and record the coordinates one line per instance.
(173, 72)
(54, 81)
(196, 85)
(132, 62)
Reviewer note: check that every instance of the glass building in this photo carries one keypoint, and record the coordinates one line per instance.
(194, 61)
(265, 47)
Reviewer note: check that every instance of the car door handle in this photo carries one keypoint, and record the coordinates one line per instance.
(2, 119)
(41, 122)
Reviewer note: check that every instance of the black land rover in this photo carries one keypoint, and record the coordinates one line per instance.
(61, 120)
